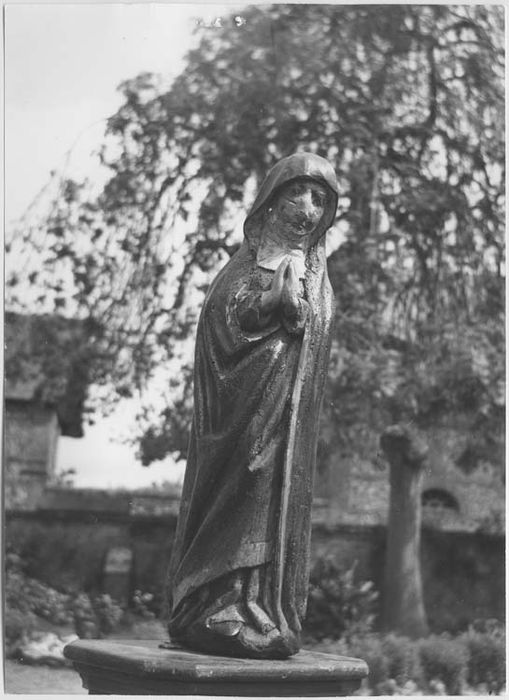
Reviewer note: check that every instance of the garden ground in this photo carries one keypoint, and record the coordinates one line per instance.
(41, 621)
(41, 680)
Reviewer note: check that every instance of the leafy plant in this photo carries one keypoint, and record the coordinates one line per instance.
(95, 616)
(84, 617)
(108, 613)
(370, 648)
(18, 626)
(446, 660)
(30, 596)
(142, 604)
(27, 598)
(487, 652)
(338, 605)
(433, 665)
(403, 659)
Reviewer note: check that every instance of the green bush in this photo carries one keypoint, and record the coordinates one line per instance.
(27, 599)
(18, 626)
(403, 663)
(486, 664)
(431, 666)
(392, 660)
(446, 660)
(86, 624)
(28, 595)
(46, 602)
(108, 613)
(370, 649)
(95, 616)
(338, 604)
(144, 605)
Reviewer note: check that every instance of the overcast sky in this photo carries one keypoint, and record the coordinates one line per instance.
(63, 64)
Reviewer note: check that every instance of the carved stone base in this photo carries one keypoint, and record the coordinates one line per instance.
(131, 667)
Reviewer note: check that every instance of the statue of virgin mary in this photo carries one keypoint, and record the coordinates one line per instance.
(240, 564)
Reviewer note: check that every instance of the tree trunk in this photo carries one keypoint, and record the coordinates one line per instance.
(402, 601)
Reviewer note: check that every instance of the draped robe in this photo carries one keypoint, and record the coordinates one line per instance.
(245, 377)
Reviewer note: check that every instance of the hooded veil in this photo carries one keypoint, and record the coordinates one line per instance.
(242, 540)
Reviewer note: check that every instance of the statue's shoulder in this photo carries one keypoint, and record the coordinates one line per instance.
(233, 276)
(241, 265)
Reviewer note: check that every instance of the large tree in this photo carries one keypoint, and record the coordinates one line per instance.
(407, 103)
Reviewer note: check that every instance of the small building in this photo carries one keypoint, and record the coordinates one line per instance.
(45, 386)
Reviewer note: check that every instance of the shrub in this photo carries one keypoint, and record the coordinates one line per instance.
(48, 603)
(142, 604)
(85, 620)
(95, 616)
(108, 613)
(27, 595)
(403, 663)
(17, 629)
(370, 649)
(444, 659)
(393, 662)
(486, 664)
(25, 600)
(337, 604)
(433, 666)
(92, 616)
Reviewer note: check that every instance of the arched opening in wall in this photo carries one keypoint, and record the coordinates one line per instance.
(439, 500)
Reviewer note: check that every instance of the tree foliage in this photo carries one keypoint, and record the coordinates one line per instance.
(407, 103)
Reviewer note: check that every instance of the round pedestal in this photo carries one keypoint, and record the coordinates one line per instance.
(132, 667)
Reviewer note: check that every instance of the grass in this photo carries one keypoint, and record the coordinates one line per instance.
(41, 680)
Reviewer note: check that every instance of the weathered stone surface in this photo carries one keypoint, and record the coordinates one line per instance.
(117, 575)
(238, 579)
(130, 667)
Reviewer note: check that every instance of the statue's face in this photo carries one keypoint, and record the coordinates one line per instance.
(299, 206)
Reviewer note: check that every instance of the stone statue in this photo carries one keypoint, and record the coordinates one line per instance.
(240, 565)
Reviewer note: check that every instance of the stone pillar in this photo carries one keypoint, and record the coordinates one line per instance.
(402, 600)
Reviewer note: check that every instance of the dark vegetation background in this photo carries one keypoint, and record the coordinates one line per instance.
(406, 101)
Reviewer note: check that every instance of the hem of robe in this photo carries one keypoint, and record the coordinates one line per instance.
(252, 554)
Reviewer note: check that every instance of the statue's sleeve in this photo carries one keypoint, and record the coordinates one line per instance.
(251, 319)
(248, 305)
(295, 321)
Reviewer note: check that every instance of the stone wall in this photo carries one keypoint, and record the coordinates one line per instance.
(30, 443)
(463, 573)
(68, 550)
(354, 486)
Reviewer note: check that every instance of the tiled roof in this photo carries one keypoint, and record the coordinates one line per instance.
(40, 365)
